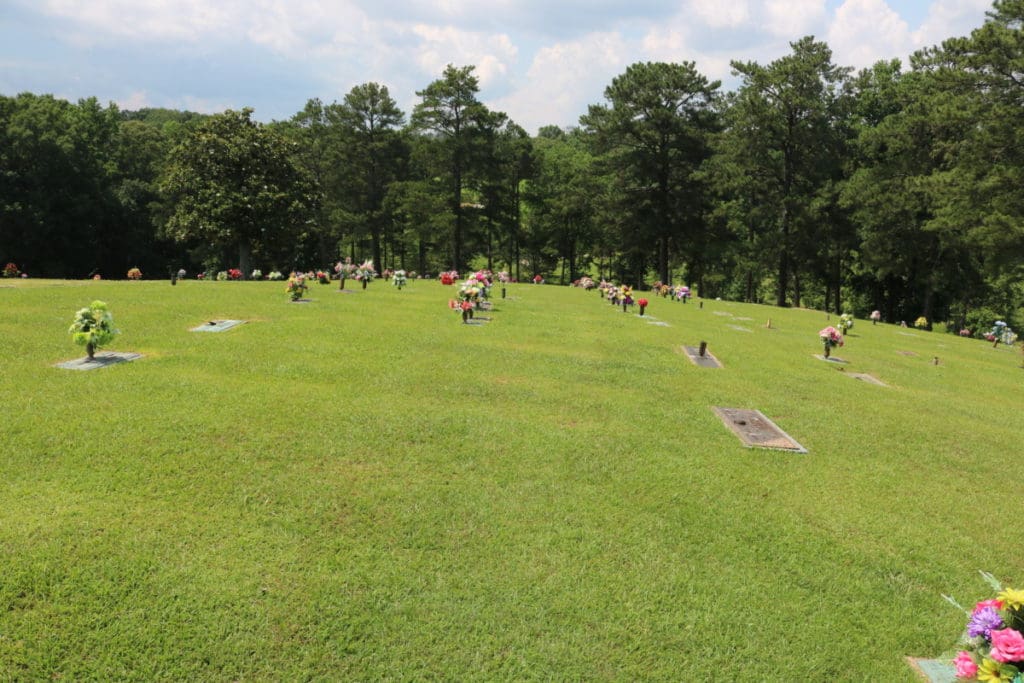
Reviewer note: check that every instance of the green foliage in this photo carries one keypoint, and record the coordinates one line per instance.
(233, 183)
(93, 326)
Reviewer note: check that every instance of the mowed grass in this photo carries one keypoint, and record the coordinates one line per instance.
(363, 488)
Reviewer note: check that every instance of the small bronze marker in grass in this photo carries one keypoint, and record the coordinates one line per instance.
(757, 431)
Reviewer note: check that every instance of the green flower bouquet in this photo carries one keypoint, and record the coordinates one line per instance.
(93, 327)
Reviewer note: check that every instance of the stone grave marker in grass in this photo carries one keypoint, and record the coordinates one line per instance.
(217, 325)
(740, 329)
(659, 323)
(907, 353)
(933, 670)
(101, 360)
(757, 431)
(727, 313)
(705, 361)
(864, 377)
(830, 359)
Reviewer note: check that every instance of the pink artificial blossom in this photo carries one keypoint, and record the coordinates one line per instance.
(1007, 646)
(965, 665)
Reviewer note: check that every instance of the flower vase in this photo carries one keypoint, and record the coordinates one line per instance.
(624, 306)
(341, 280)
(828, 349)
(642, 310)
(466, 315)
(364, 284)
(90, 350)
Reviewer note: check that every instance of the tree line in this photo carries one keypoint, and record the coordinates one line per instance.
(892, 188)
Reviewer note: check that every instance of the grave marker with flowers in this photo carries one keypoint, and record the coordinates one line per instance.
(365, 272)
(134, 274)
(993, 640)
(11, 270)
(830, 338)
(93, 327)
(296, 286)
(344, 270)
(398, 279)
(845, 323)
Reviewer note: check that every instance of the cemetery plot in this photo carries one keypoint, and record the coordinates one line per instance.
(705, 361)
(101, 360)
(217, 325)
(867, 378)
(757, 431)
(933, 670)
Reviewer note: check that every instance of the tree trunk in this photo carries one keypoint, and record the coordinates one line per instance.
(245, 259)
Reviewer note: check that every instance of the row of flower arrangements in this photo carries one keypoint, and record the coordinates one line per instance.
(11, 270)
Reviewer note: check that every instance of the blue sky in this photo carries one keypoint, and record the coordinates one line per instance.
(541, 61)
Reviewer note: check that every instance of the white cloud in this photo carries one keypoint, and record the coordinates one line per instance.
(719, 14)
(134, 101)
(563, 79)
(865, 31)
(792, 19)
(950, 18)
(492, 54)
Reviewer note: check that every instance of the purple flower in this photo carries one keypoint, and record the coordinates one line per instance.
(983, 621)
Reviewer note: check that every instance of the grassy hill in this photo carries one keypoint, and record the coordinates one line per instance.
(364, 488)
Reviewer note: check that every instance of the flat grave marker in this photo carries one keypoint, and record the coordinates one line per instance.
(659, 323)
(864, 377)
(739, 328)
(705, 361)
(933, 670)
(757, 431)
(830, 359)
(217, 325)
(101, 360)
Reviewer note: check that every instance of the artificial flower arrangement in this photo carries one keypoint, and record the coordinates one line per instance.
(344, 270)
(222, 275)
(296, 286)
(449, 277)
(503, 277)
(830, 337)
(1001, 333)
(965, 332)
(365, 272)
(134, 274)
(626, 296)
(875, 317)
(993, 642)
(11, 270)
(464, 307)
(256, 274)
(398, 279)
(200, 276)
(587, 283)
(93, 327)
(234, 274)
(845, 323)
(642, 303)
(538, 279)
(275, 275)
(921, 323)
(323, 277)
(682, 293)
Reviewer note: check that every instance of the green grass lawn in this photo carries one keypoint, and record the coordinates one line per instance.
(363, 488)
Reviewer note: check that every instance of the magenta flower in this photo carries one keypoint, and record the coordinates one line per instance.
(1007, 646)
(965, 665)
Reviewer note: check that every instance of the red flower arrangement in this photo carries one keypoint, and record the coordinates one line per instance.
(643, 304)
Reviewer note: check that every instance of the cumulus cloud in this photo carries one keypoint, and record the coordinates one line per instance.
(950, 18)
(792, 19)
(492, 54)
(718, 14)
(866, 31)
(563, 79)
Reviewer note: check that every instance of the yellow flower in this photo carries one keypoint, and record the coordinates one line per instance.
(994, 672)
(1012, 598)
